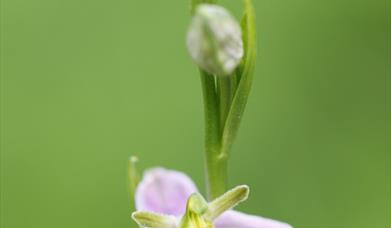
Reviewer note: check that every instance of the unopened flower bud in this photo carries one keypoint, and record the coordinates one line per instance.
(214, 40)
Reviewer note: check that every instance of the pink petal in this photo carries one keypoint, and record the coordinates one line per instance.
(164, 191)
(234, 219)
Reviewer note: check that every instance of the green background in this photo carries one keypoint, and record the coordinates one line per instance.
(87, 83)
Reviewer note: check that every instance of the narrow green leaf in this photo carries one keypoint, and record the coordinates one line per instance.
(245, 75)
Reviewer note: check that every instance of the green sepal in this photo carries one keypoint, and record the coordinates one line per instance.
(227, 201)
(152, 220)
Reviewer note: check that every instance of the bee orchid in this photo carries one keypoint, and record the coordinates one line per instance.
(169, 199)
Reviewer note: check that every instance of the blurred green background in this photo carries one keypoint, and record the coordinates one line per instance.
(86, 83)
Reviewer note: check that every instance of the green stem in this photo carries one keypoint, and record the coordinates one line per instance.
(225, 99)
(216, 167)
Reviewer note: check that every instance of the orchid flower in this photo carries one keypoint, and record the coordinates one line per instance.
(225, 52)
(169, 199)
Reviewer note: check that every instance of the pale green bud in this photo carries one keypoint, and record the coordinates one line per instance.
(214, 40)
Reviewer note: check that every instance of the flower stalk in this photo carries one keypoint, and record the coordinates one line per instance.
(225, 95)
(216, 168)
